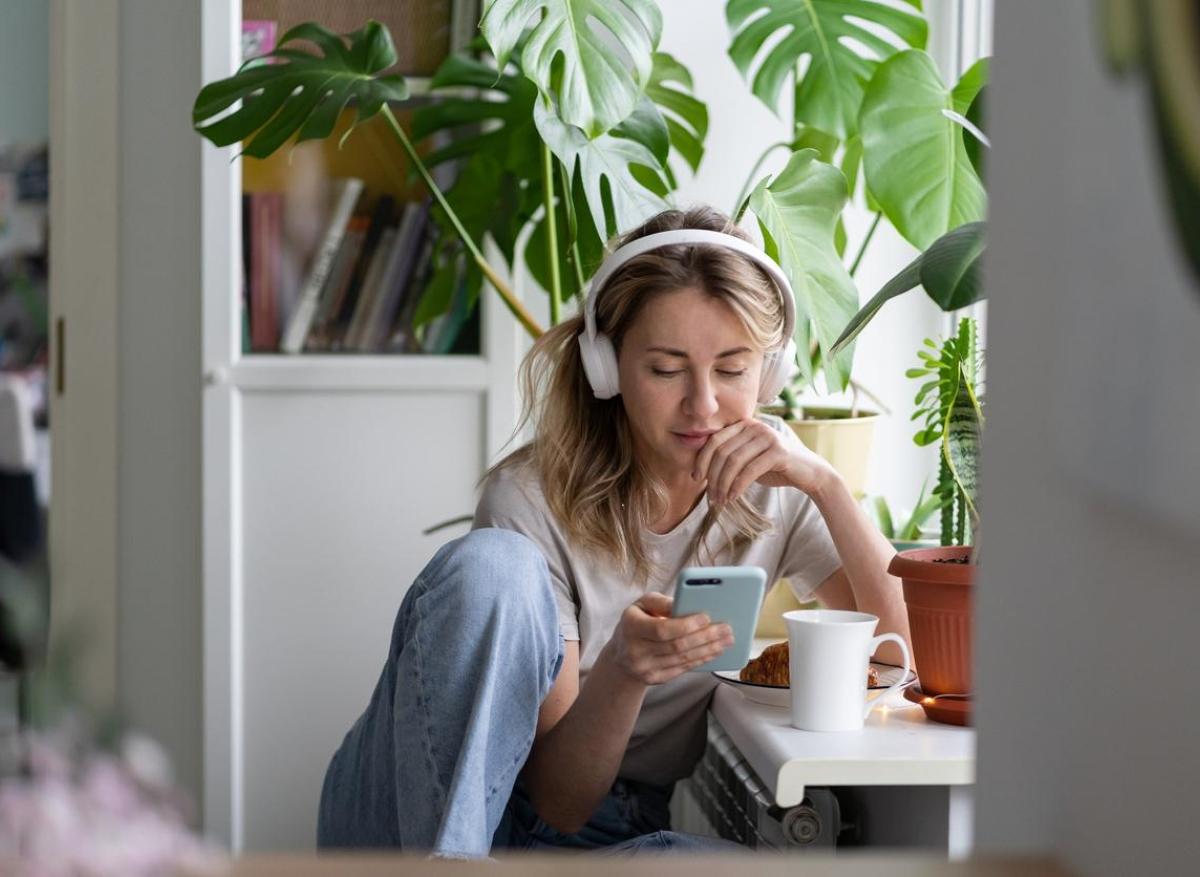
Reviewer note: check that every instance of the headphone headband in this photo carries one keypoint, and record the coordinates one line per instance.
(596, 351)
(688, 236)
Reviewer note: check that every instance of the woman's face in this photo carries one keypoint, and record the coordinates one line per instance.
(687, 368)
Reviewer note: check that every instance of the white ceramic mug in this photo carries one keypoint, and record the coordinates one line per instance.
(830, 651)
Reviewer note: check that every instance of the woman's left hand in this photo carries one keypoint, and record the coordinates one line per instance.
(749, 451)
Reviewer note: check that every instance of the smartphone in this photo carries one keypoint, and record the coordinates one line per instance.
(731, 595)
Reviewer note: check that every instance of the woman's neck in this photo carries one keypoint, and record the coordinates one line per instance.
(683, 495)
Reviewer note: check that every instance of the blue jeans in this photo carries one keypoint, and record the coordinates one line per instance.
(432, 762)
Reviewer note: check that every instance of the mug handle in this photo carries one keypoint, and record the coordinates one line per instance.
(898, 640)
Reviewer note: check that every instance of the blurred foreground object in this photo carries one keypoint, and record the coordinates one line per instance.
(79, 795)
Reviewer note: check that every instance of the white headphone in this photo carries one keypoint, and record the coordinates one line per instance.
(596, 348)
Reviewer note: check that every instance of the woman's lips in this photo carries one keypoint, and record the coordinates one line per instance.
(692, 439)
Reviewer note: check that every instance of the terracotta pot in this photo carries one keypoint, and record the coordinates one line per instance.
(940, 601)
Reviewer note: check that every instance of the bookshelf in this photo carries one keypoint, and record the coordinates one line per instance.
(320, 473)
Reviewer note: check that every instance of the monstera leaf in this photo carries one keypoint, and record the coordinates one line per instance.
(666, 118)
(301, 93)
(485, 118)
(798, 212)
(595, 88)
(616, 200)
(497, 189)
(833, 35)
(914, 158)
(503, 106)
(686, 117)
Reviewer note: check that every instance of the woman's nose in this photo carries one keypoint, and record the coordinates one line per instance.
(701, 399)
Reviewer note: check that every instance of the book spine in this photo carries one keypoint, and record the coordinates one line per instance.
(379, 220)
(263, 257)
(380, 264)
(274, 286)
(306, 308)
(401, 332)
(319, 337)
(399, 281)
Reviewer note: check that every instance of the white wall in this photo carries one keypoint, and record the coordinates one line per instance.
(24, 71)
(1090, 588)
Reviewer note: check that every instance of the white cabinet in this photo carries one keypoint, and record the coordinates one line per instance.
(319, 474)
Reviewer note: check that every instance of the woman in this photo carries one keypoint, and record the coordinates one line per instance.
(536, 691)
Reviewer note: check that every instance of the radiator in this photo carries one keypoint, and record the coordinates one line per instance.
(725, 798)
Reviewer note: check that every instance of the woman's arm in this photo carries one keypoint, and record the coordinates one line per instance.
(751, 450)
(582, 732)
(865, 557)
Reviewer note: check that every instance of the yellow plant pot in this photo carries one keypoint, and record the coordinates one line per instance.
(843, 440)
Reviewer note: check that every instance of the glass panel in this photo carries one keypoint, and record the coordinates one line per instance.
(337, 242)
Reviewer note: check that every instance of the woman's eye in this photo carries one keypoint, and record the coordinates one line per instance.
(666, 373)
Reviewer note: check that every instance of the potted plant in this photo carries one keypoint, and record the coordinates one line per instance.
(553, 160)
(913, 532)
(938, 582)
(904, 130)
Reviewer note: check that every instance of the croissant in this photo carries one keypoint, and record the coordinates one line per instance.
(771, 668)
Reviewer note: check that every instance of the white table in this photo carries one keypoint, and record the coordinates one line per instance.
(927, 768)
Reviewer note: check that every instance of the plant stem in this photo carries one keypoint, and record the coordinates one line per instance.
(551, 233)
(738, 206)
(572, 230)
(860, 388)
(518, 310)
(863, 248)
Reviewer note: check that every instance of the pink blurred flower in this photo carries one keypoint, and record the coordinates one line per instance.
(96, 814)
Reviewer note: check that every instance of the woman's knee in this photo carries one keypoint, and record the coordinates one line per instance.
(492, 566)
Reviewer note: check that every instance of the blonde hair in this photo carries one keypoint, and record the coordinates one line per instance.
(582, 451)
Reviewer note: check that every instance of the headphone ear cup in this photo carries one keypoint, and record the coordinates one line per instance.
(779, 367)
(600, 365)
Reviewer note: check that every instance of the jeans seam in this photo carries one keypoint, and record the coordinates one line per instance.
(422, 703)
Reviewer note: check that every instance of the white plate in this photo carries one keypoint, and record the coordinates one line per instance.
(779, 695)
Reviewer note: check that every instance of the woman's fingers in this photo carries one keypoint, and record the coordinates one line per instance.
(691, 659)
(745, 465)
(715, 441)
(718, 464)
(708, 635)
(735, 460)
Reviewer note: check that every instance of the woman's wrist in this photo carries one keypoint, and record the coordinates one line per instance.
(826, 486)
(609, 671)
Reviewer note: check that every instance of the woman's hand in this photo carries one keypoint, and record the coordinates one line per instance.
(651, 647)
(749, 451)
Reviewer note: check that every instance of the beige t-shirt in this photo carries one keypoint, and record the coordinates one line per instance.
(669, 734)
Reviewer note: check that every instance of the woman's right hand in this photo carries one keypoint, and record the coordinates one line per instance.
(651, 647)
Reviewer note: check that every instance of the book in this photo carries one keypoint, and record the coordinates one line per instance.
(398, 282)
(381, 217)
(266, 212)
(372, 282)
(401, 337)
(345, 195)
(321, 331)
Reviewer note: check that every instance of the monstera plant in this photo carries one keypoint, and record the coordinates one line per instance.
(568, 125)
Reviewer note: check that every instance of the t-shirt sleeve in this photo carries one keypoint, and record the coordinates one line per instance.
(507, 504)
(809, 555)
